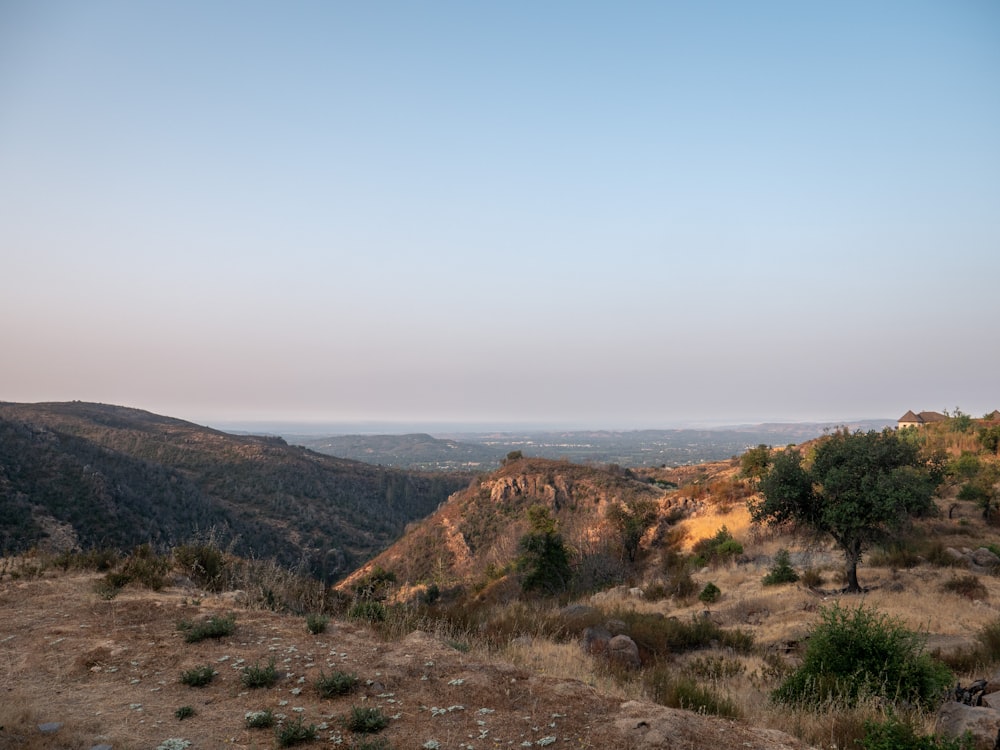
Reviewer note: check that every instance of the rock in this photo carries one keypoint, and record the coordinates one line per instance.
(101, 747)
(522, 641)
(577, 611)
(992, 700)
(636, 592)
(982, 722)
(954, 554)
(622, 650)
(49, 727)
(616, 627)
(985, 559)
(595, 640)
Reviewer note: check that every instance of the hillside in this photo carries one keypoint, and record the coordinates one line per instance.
(92, 475)
(472, 540)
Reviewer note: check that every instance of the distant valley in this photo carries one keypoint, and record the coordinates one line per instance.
(484, 451)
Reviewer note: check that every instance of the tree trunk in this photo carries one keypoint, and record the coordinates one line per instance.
(852, 556)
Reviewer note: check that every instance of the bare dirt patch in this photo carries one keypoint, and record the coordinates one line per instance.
(108, 671)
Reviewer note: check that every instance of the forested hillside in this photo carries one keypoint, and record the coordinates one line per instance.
(94, 475)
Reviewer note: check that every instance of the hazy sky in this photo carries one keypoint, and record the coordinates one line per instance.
(599, 214)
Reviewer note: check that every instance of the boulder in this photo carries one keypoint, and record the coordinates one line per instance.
(982, 722)
(595, 640)
(984, 558)
(622, 650)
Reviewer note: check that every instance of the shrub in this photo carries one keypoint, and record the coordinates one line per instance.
(259, 719)
(715, 668)
(683, 692)
(146, 567)
(710, 593)
(204, 563)
(316, 623)
(214, 627)
(811, 578)
(184, 712)
(256, 676)
(782, 570)
(894, 734)
(366, 720)
(294, 733)
(338, 683)
(668, 635)
(968, 586)
(367, 609)
(198, 677)
(375, 585)
(716, 549)
(856, 654)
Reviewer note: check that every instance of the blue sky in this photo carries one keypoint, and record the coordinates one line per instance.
(572, 213)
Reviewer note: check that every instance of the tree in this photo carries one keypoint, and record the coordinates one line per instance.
(631, 522)
(755, 461)
(858, 489)
(544, 559)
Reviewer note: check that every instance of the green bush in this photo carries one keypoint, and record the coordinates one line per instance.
(366, 720)
(782, 570)
(294, 733)
(259, 719)
(256, 676)
(217, 626)
(198, 677)
(710, 593)
(716, 549)
(316, 623)
(894, 734)
(860, 653)
(184, 712)
(338, 683)
(367, 609)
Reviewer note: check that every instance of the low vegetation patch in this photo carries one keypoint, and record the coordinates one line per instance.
(198, 676)
(217, 626)
(184, 712)
(366, 720)
(316, 623)
(668, 688)
(338, 683)
(896, 734)
(295, 732)
(968, 586)
(257, 676)
(259, 719)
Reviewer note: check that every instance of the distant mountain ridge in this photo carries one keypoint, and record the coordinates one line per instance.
(103, 475)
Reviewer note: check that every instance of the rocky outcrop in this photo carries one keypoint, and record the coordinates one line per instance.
(982, 722)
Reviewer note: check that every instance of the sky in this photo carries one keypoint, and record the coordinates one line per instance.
(579, 214)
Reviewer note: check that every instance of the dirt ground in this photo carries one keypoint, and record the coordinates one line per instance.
(107, 671)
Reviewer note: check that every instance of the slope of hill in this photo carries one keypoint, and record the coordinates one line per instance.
(99, 475)
(473, 538)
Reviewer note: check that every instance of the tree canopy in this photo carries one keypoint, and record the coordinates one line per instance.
(858, 488)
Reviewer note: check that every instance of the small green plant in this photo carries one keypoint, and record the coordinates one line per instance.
(316, 623)
(184, 712)
(259, 719)
(214, 627)
(294, 733)
(366, 720)
(716, 668)
(894, 734)
(710, 593)
(204, 563)
(782, 570)
(198, 676)
(338, 683)
(256, 676)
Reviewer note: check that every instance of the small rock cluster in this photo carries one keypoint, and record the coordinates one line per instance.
(974, 709)
(979, 560)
